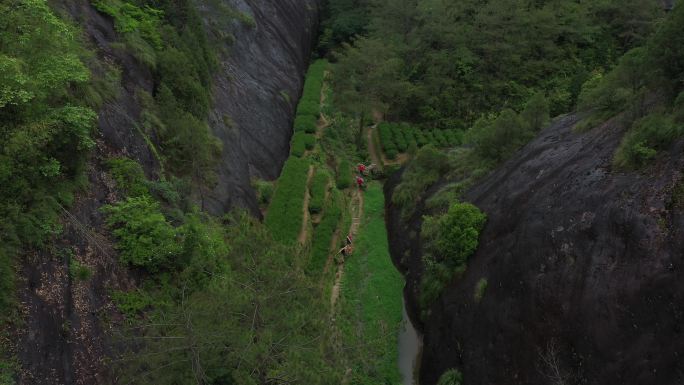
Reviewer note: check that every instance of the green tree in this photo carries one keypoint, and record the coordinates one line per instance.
(453, 237)
(144, 237)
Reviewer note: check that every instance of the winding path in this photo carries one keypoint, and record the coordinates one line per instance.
(356, 208)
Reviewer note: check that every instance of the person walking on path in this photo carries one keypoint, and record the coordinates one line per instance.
(360, 182)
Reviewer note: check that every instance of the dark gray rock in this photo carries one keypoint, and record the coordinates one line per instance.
(256, 91)
(584, 269)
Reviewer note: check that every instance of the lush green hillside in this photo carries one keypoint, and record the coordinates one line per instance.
(45, 130)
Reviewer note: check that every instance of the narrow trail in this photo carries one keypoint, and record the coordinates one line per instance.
(356, 208)
(304, 232)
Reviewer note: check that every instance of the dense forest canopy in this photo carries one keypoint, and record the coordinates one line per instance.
(444, 64)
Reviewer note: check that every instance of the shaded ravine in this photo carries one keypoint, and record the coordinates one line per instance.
(410, 348)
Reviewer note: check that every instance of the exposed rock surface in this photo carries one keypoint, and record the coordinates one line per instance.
(584, 265)
(256, 91)
(63, 339)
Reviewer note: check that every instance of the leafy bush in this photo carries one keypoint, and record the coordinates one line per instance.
(453, 137)
(391, 153)
(451, 377)
(319, 187)
(129, 176)
(453, 237)
(440, 139)
(449, 239)
(497, 140)
(386, 139)
(144, 237)
(298, 146)
(78, 271)
(421, 139)
(133, 303)
(305, 123)
(409, 132)
(309, 142)
(314, 82)
(264, 190)
(324, 232)
(129, 18)
(398, 138)
(428, 165)
(284, 216)
(204, 250)
(430, 136)
(345, 176)
(647, 136)
(309, 107)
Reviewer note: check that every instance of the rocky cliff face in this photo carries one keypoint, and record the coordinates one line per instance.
(256, 91)
(63, 339)
(584, 266)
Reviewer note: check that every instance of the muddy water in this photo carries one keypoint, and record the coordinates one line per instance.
(410, 345)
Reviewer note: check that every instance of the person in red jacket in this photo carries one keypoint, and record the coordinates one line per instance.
(362, 169)
(359, 181)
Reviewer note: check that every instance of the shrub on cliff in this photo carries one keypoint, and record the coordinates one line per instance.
(428, 165)
(144, 237)
(449, 239)
(453, 237)
(647, 136)
(451, 377)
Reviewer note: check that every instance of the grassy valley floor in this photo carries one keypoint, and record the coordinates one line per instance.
(370, 304)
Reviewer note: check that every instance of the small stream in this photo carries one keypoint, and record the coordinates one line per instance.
(410, 346)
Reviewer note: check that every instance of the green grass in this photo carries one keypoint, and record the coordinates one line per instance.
(298, 145)
(371, 299)
(305, 123)
(319, 186)
(309, 107)
(344, 175)
(314, 83)
(324, 232)
(284, 217)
